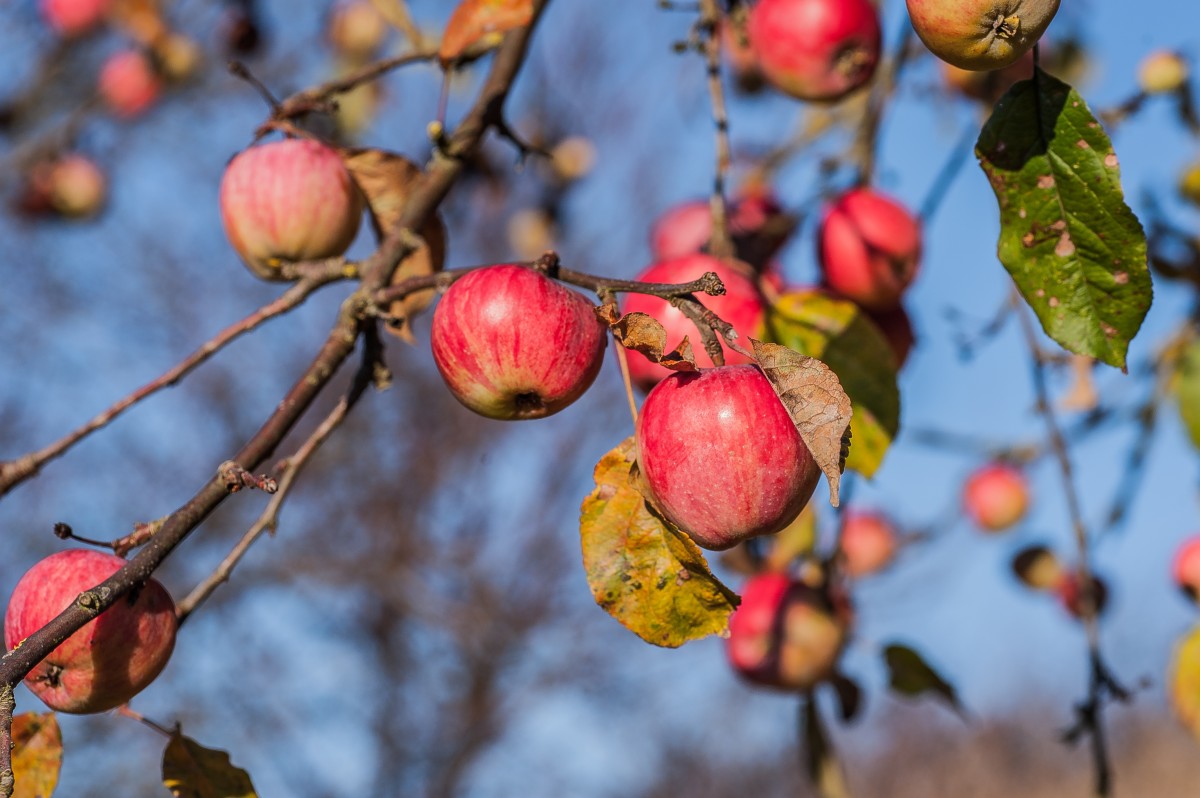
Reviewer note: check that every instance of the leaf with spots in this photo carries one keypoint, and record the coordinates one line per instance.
(37, 754)
(1183, 681)
(642, 570)
(643, 333)
(479, 25)
(190, 770)
(817, 404)
(1074, 248)
(386, 179)
(839, 334)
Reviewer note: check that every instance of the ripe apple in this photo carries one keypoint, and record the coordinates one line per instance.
(741, 305)
(869, 248)
(511, 343)
(1186, 568)
(289, 200)
(111, 658)
(128, 83)
(815, 49)
(1162, 72)
(868, 543)
(682, 230)
(757, 224)
(77, 186)
(357, 29)
(996, 497)
(784, 634)
(73, 17)
(981, 34)
(1071, 596)
(721, 457)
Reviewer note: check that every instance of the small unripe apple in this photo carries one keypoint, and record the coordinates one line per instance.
(77, 187)
(1162, 72)
(1038, 568)
(179, 56)
(111, 658)
(784, 634)
(357, 29)
(815, 49)
(996, 496)
(868, 543)
(289, 200)
(1070, 594)
(573, 158)
(511, 343)
(741, 305)
(73, 17)
(128, 83)
(981, 34)
(1186, 568)
(869, 248)
(721, 457)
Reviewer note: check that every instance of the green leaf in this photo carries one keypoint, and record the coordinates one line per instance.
(1183, 681)
(642, 570)
(1075, 250)
(1187, 390)
(836, 332)
(910, 675)
(190, 770)
(37, 754)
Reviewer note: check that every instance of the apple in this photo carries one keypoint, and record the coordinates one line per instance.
(980, 34)
(996, 497)
(1186, 568)
(757, 224)
(357, 29)
(682, 230)
(1071, 596)
(1162, 72)
(868, 543)
(111, 658)
(784, 634)
(128, 83)
(897, 329)
(73, 17)
(720, 456)
(815, 49)
(869, 249)
(289, 200)
(1038, 568)
(511, 343)
(178, 56)
(741, 305)
(77, 186)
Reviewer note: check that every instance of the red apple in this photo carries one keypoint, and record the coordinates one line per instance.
(741, 305)
(981, 34)
(868, 543)
(289, 200)
(721, 457)
(1071, 596)
(1186, 568)
(357, 29)
(513, 344)
(114, 656)
(77, 186)
(682, 230)
(815, 49)
(996, 497)
(128, 83)
(757, 224)
(73, 17)
(870, 248)
(784, 634)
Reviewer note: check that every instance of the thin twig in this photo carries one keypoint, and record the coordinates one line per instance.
(309, 99)
(14, 472)
(720, 243)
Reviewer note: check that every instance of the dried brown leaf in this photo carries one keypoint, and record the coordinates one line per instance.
(643, 333)
(480, 24)
(817, 404)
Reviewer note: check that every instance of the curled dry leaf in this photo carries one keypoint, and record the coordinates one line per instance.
(478, 25)
(817, 404)
(37, 754)
(643, 333)
(386, 180)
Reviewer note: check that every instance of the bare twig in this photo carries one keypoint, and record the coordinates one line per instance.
(720, 242)
(318, 96)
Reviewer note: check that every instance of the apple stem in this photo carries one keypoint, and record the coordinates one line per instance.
(623, 362)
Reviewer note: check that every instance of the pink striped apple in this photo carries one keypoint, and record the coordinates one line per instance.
(870, 248)
(511, 343)
(721, 457)
(111, 658)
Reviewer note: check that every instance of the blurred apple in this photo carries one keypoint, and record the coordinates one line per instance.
(996, 496)
(128, 83)
(869, 248)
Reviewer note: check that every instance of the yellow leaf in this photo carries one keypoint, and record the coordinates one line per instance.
(192, 771)
(37, 754)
